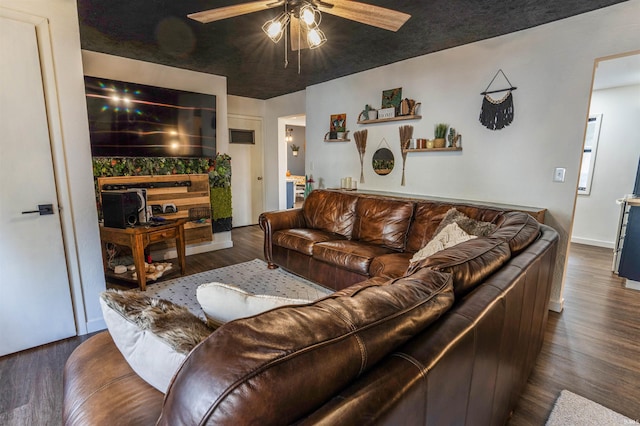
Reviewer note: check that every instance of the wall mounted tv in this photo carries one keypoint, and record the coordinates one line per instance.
(135, 120)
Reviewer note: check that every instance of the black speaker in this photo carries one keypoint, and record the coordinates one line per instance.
(120, 208)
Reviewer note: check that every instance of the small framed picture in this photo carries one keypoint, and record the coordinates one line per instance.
(392, 98)
(338, 123)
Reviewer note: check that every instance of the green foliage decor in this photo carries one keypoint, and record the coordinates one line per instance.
(218, 169)
(440, 131)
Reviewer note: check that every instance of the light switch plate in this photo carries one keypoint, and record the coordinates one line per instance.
(558, 174)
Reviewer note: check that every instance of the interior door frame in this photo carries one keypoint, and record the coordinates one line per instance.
(54, 120)
(232, 116)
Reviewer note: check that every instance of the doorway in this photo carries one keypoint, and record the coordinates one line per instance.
(36, 306)
(247, 162)
(292, 131)
(614, 101)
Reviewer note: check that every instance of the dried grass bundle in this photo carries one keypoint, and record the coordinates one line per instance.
(406, 133)
(361, 144)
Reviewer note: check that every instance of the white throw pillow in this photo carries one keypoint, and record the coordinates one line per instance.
(154, 352)
(449, 236)
(222, 303)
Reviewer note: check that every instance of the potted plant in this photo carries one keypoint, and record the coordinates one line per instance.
(440, 133)
(295, 148)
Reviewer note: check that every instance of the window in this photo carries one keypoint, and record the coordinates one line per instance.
(589, 154)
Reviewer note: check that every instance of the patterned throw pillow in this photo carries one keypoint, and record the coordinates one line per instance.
(468, 225)
(153, 335)
(449, 236)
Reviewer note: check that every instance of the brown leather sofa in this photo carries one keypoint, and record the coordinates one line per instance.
(449, 342)
(341, 238)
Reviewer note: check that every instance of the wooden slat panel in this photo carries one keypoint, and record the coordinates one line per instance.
(369, 14)
(173, 190)
(219, 13)
(184, 198)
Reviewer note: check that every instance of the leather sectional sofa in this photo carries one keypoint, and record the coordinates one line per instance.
(450, 340)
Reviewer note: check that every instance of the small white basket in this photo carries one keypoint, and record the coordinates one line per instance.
(386, 113)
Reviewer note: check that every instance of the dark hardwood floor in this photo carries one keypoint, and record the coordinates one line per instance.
(592, 348)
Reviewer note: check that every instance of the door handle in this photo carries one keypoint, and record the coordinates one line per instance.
(259, 177)
(43, 209)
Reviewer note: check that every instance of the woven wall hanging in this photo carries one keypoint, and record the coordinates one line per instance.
(496, 114)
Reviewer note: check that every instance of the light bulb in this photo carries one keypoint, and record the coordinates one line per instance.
(315, 38)
(307, 15)
(274, 29)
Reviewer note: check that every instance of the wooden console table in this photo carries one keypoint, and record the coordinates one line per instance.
(138, 238)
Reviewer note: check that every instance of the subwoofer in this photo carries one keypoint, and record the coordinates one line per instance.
(120, 208)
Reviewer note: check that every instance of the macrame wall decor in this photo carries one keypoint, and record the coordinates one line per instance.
(496, 114)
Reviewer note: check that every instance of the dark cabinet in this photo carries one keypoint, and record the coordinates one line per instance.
(630, 254)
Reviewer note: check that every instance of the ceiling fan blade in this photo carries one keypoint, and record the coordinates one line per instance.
(212, 15)
(369, 14)
(295, 30)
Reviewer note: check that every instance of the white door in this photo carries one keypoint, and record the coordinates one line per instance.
(35, 298)
(247, 183)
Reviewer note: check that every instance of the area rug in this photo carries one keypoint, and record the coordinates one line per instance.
(572, 409)
(253, 277)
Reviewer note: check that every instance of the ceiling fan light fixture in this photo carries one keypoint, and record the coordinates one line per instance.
(310, 15)
(276, 27)
(315, 38)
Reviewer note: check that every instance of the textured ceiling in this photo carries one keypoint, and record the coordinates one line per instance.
(159, 31)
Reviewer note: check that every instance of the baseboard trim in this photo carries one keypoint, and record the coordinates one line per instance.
(590, 242)
(633, 285)
(94, 325)
(556, 305)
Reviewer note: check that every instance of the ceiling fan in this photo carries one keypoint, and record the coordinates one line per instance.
(296, 13)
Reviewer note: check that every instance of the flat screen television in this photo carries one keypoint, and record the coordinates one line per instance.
(136, 120)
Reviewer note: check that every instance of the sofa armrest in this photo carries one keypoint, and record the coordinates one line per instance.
(271, 222)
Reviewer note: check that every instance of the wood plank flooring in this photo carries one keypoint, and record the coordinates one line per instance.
(592, 348)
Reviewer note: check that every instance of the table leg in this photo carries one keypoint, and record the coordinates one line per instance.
(137, 249)
(180, 248)
(105, 263)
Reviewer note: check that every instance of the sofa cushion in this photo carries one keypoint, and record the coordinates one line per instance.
(392, 265)
(429, 215)
(518, 229)
(469, 225)
(382, 222)
(276, 367)
(153, 335)
(469, 263)
(330, 211)
(351, 255)
(222, 303)
(303, 239)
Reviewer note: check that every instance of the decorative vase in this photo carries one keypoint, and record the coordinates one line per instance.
(439, 143)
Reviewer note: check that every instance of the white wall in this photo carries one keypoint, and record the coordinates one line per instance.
(552, 67)
(275, 158)
(295, 164)
(74, 177)
(597, 214)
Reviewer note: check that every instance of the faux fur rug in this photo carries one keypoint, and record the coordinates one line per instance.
(174, 324)
(253, 277)
(571, 409)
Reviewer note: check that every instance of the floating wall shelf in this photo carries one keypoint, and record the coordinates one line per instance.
(337, 140)
(384, 120)
(433, 149)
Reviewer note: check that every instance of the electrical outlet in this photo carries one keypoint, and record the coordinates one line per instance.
(558, 174)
